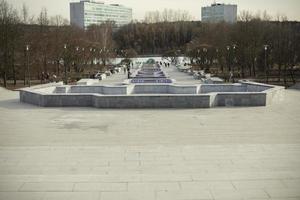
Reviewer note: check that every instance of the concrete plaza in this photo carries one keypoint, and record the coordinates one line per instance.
(147, 154)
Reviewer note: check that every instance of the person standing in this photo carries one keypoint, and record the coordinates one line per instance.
(231, 78)
(128, 71)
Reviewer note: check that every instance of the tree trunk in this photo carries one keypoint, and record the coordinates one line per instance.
(243, 71)
(13, 67)
(45, 64)
(253, 68)
(57, 68)
(4, 79)
(279, 72)
(24, 67)
(14, 74)
(284, 76)
(292, 74)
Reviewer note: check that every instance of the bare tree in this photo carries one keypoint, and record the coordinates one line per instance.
(167, 15)
(101, 36)
(24, 13)
(58, 20)
(9, 33)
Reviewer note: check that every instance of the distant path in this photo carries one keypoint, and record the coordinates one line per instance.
(172, 71)
(180, 77)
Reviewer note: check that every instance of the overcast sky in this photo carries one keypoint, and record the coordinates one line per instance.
(290, 8)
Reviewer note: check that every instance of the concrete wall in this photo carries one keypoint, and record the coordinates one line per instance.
(160, 89)
(31, 98)
(240, 99)
(86, 89)
(92, 89)
(165, 89)
(47, 90)
(68, 100)
(257, 87)
(153, 101)
(150, 89)
(131, 101)
(177, 89)
(151, 96)
(34, 95)
(207, 88)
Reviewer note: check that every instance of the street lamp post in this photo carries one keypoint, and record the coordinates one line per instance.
(100, 58)
(266, 67)
(83, 57)
(27, 63)
(65, 64)
(78, 59)
(91, 53)
(234, 57)
(228, 58)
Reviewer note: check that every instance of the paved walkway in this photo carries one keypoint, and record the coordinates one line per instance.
(117, 78)
(166, 154)
(181, 78)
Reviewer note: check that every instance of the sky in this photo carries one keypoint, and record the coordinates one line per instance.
(290, 8)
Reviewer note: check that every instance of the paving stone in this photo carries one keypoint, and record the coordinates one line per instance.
(100, 187)
(165, 177)
(153, 186)
(258, 184)
(145, 195)
(72, 196)
(206, 185)
(184, 194)
(10, 186)
(284, 193)
(239, 194)
(22, 195)
(291, 183)
(47, 187)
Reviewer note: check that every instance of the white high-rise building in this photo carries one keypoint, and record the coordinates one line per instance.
(88, 12)
(219, 13)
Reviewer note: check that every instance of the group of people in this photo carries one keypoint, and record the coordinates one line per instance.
(46, 78)
(164, 64)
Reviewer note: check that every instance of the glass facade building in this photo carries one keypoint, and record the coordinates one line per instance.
(88, 12)
(219, 13)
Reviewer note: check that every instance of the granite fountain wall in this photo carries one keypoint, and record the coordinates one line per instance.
(153, 95)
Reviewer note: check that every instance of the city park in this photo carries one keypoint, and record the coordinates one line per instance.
(87, 115)
(257, 47)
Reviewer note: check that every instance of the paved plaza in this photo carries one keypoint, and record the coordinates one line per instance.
(149, 154)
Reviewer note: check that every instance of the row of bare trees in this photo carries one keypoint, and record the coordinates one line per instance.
(253, 47)
(167, 15)
(33, 46)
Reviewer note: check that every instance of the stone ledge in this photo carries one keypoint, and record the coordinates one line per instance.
(156, 96)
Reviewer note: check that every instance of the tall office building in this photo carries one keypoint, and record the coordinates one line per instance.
(219, 12)
(88, 12)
